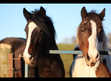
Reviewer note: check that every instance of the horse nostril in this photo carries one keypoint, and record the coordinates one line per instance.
(97, 56)
(30, 57)
(92, 64)
(30, 51)
(88, 57)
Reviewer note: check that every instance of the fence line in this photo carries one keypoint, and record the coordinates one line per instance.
(6, 53)
(64, 52)
(102, 52)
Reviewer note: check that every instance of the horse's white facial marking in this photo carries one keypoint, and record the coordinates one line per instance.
(26, 55)
(93, 42)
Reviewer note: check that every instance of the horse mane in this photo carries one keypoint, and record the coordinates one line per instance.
(44, 22)
(93, 12)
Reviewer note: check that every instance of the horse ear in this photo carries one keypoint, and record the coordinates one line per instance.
(27, 14)
(83, 13)
(42, 11)
(102, 14)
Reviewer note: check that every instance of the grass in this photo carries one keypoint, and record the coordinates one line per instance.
(66, 58)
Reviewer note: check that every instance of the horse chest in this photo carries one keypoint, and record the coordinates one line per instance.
(82, 70)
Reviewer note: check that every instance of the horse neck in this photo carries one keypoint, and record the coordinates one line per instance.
(48, 45)
(103, 45)
(53, 45)
(102, 71)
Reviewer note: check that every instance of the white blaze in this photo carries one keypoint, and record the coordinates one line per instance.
(92, 51)
(26, 55)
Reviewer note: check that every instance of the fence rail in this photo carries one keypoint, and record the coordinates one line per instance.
(64, 52)
(102, 52)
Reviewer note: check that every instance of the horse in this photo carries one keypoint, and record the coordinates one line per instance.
(17, 49)
(91, 39)
(40, 38)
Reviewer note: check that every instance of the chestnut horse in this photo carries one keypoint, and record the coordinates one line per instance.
(91, 39)
(40, 39)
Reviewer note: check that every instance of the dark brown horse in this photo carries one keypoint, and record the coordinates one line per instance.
(17, 48)
(40, 39)
(91, 39)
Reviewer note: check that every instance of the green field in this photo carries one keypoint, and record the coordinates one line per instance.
(67, 58)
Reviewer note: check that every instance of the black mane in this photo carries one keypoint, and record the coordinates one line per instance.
(94, 15)
(44, 22)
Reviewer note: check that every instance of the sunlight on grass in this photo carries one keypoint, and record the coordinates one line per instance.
(67, 59)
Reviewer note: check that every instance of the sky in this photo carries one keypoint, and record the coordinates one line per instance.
(65, 17)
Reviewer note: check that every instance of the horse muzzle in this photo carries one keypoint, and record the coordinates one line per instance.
(92, 61)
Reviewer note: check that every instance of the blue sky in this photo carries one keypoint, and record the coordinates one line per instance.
(66, 18)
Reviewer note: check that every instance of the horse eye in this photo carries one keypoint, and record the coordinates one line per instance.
(85, 21)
